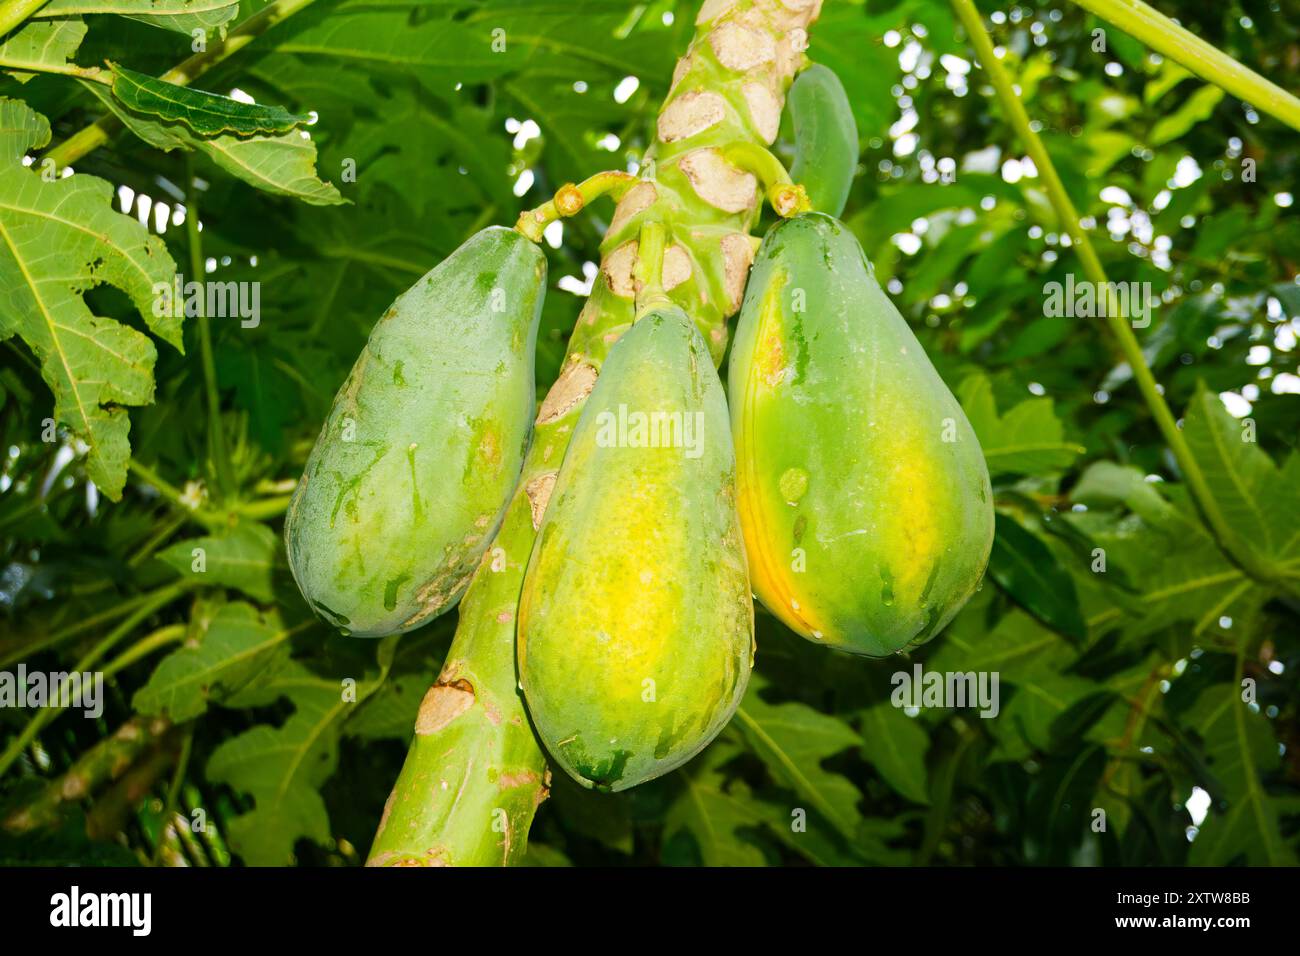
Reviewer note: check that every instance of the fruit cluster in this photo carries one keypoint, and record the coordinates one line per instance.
(839, 480)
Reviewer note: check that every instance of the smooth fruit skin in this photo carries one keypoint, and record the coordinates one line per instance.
(865, 500)
(825, 138)
(416, 462)
(636, 621)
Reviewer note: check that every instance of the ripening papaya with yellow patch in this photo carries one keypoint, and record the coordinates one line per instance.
(864, 496)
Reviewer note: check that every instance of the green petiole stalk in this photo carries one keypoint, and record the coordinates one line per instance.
(1145, 23)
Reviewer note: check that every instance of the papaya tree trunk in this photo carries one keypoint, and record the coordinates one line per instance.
(475, 774)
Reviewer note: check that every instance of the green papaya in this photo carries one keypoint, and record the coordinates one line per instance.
(636, 620)
(863, 491)
(825, 138)
(424, 443)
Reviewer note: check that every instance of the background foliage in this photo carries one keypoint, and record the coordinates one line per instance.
(1119, 687)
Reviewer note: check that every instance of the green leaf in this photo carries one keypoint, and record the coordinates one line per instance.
(1018, 647)
(181, 16)
(713, 813)
(1163, 550)
(792, 739)
(895, 745)
(282, 768)
(1199, 106)
(1028, 722)
(207, 114)
(1027, 570)
(1239, 745)
(243, 559)
(57, 240)
(1028, 439)
(235, 648)
(41, 46)
(285, 165)
(1257, 500)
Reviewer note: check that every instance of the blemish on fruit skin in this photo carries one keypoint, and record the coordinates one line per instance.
(793, 485)
(390, 591)
(397, 374)
(416, 506)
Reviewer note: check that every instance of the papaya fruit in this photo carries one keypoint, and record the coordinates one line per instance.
(424, 443)
(825, 138)
(635, 637)
(863, 492)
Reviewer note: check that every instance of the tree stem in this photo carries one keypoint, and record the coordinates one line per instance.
(1228, 539)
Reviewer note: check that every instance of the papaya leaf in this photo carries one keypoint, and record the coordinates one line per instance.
(1197, 107)
(1028, 722)
(283, 768)
(244, 559)
(1165, 552)
(207, 114)
(1029, 438)
(1027, 570)
(1260, 501)
(285, 165)
(41, 46)
(236, 647)
(1239, 746)
(895, 745)
(58, 239)
(181, 16)
(792, 739)
(714, 814)
(1017, 648)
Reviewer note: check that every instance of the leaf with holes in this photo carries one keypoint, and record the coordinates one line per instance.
(57, 240)
(41, 46)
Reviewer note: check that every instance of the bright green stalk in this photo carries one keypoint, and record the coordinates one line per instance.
(161, 598)
(123, 607)
(1167, 38)
(216, 436)
(1228, 538)
(475, 774)
(15, 12)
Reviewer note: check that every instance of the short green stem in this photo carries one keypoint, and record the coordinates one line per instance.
(91, 73)
(785, 197)
(1228, 539)
(570, 199)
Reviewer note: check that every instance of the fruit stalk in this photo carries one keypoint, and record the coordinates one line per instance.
(475, 774)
